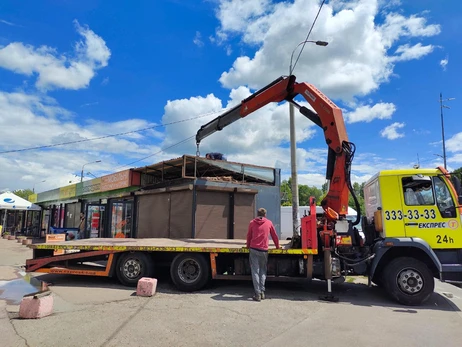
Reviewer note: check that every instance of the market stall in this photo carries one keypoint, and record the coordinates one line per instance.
(10, 201)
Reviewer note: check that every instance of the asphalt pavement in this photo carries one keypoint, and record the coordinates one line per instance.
(93, 311)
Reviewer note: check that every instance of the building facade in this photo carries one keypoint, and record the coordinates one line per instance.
(186, 197)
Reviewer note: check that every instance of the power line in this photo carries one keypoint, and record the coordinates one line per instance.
(308, 36)
(106, 136)
(151, 155)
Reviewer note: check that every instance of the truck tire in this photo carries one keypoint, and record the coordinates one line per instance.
(133, 266)
(408, 280)
(189, 272)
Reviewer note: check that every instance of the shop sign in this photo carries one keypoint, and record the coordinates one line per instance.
(116, 181)
(67, 192)
(48, 195)
(92, 186)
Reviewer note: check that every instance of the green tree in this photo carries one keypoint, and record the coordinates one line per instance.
(359, 192)
(458, 173)
(305, 192)
(286, 193)
(23, 193)
(324, 188)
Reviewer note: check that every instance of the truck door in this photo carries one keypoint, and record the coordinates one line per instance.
(429, 211)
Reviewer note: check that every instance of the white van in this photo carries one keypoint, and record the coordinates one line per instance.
(286, 219)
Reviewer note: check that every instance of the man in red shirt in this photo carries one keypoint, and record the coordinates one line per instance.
(257, 241)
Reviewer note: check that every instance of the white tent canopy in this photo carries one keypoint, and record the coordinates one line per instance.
(10, 201)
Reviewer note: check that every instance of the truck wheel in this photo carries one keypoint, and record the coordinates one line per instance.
(133, 266)
(189, 272)
(409, 281)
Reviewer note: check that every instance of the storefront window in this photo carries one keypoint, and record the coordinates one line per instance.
(121, 219)
(95, 221)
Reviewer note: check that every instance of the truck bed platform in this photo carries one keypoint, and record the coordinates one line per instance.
(166, 245)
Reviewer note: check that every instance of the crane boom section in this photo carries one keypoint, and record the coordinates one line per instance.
(328, 116)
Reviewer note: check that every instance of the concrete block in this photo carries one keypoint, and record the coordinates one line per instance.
(27, 242)
(146, 286)
(36, 307)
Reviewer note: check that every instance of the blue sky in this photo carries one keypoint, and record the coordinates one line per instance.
(70, 71)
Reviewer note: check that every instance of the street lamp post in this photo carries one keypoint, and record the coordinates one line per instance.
(81, 172)
(442, 125)
(33, 187)
(293, 148)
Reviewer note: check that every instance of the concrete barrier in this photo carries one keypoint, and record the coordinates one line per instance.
(36, 306)
(146, 286)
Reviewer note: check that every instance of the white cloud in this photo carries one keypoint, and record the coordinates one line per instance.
(28, 120)
(55, 70)
(266, 128)
(456, 159)
(453, 144)
(397, 25)
(368, 113)
(90, 104)
(8, 23)
(407, 52)
(391, 132)
(235, 14)
(421, 131)
(360, 57)
(356, 61)
(444, 63)
(198, 39)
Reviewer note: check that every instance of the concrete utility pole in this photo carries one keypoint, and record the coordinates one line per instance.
(442, 125)
(293, 148)
(293, 167)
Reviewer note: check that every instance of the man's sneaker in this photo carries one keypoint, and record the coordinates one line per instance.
(262, 295)
(257, 297)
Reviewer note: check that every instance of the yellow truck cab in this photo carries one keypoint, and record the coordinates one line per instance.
(413, 219)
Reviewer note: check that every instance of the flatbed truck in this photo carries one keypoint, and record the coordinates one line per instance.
(412, 227)
(192, 262)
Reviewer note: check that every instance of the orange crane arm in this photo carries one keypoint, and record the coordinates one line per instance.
(328, 116)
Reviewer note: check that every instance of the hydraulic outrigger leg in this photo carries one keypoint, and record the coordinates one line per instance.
(326, 237)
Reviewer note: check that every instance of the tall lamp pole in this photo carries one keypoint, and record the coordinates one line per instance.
(442, 125)
(33, 187)
(81, 172)
(293, 149)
